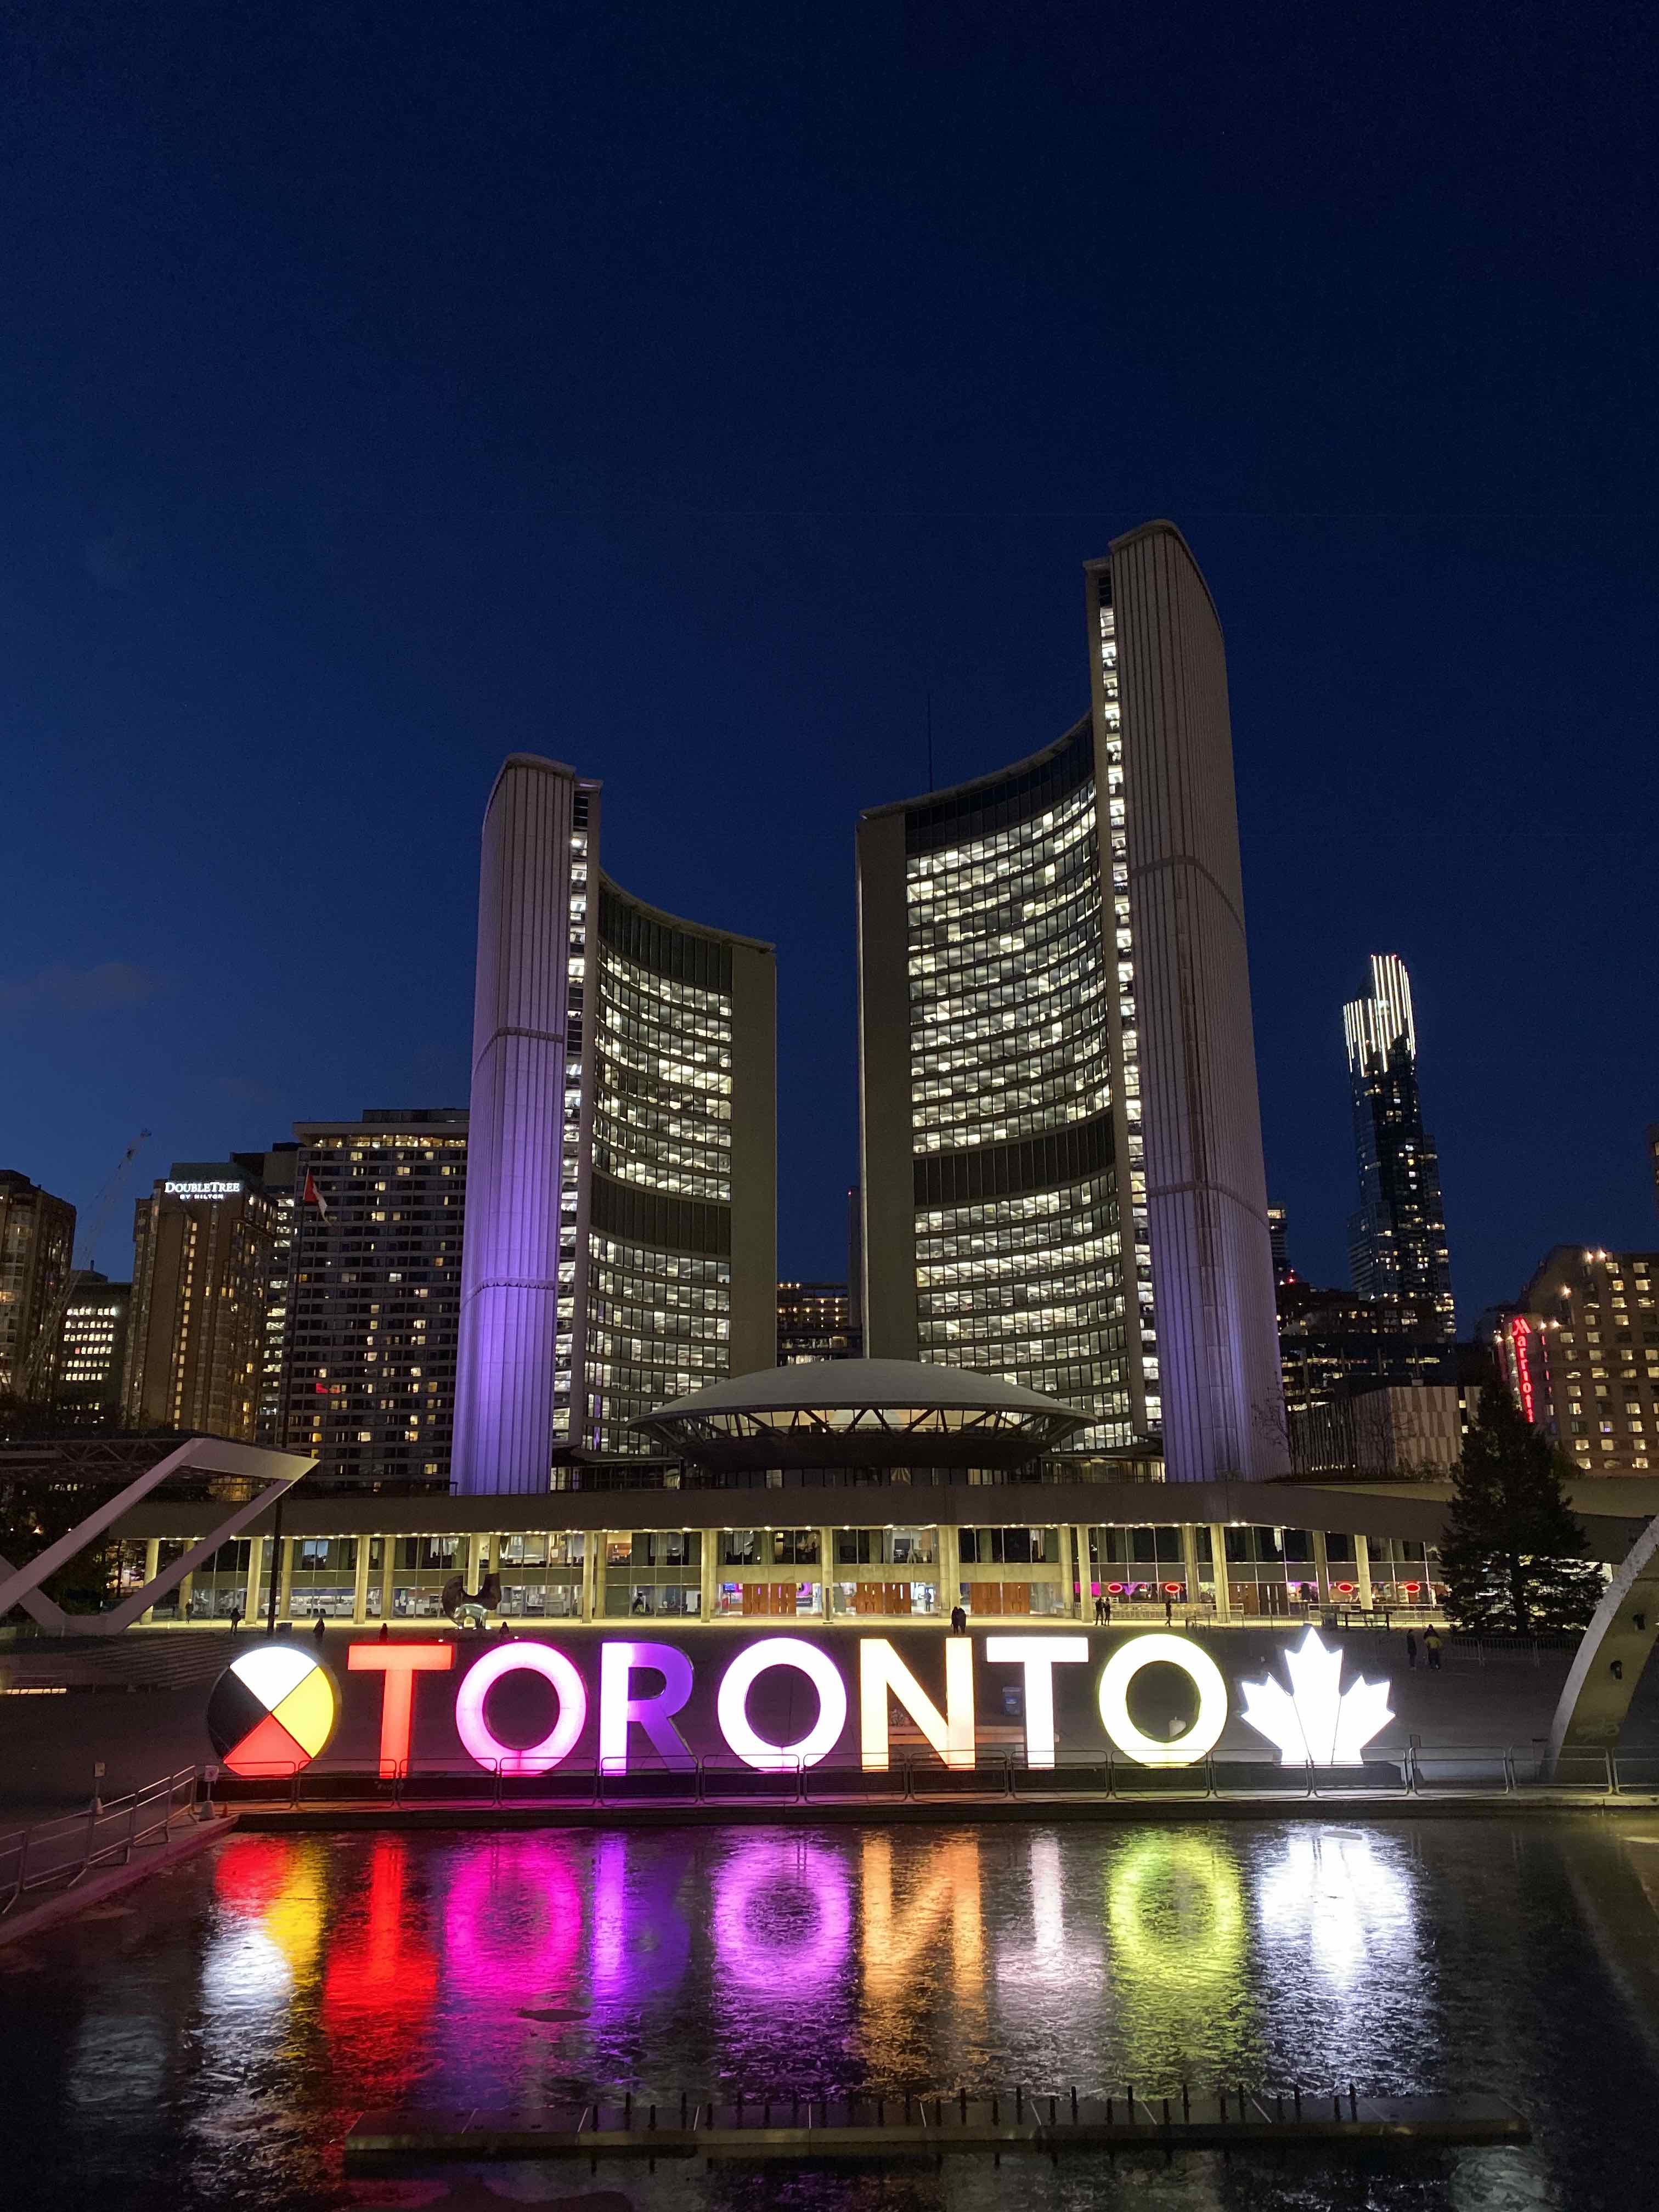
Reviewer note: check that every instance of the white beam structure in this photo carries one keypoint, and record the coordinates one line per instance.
(278, 1471)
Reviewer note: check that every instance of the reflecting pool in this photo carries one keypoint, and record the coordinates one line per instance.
(206, 2040)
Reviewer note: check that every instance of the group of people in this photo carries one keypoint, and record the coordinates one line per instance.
(1430, 1647)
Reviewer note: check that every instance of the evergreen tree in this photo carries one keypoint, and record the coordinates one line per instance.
(1513, 1556)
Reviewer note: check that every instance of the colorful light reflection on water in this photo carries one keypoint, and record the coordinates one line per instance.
(209, 2046)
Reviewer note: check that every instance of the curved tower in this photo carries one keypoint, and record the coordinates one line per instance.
(621, 1210)
(1063, 1179)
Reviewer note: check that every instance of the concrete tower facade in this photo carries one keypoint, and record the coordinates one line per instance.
(621, 1231)
(1063, 1177)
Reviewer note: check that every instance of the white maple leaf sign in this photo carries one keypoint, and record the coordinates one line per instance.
(1317, 1722)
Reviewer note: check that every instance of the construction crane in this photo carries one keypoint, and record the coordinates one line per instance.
(43, 1352)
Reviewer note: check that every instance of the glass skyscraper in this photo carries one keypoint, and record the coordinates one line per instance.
(1397, 1253)
(1063, 1180)
(621, 1246)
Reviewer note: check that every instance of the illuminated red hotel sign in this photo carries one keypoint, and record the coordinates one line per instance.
(780, 1703)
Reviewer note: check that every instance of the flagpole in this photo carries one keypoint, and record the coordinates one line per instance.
(276, 1564)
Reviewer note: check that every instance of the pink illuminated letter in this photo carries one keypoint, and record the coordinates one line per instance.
(475, 1731)
(820, 1670)
(618, 1710)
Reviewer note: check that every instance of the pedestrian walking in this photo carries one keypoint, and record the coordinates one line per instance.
(958, 1621)
(385, 1635)
(1103, 1612)
(1431, 1650)
(1410, 1647)
(236, 1615)
(1168, 1609)
(320, 1630)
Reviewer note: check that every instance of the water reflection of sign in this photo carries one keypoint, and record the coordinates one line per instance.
(643, 1690)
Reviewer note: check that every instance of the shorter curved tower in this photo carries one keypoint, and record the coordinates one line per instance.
(621, 1216)
(1063, 1180)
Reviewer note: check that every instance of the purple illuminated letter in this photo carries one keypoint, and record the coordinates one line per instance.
(618, 1710)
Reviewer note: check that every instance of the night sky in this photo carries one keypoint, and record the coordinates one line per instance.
(689, 394)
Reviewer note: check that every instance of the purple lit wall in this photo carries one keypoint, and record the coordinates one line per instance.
(1207, 1195)
(504, 1404)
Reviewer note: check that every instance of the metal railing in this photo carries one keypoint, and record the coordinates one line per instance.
(56, 1854)
(1416, 1771)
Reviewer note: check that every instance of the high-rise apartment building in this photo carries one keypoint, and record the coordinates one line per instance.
(92, 1354)
(201, 1271)
(815, 1322)
(1279, 1230)
(37, 1253)
(1063, 1179)
(1333, 1343)
(1580, 1351)
(1397, 1250)
(274, 1172)
(374, 1295)
(622, 1215)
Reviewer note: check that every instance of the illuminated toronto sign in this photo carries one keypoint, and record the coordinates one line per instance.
(782, 1702)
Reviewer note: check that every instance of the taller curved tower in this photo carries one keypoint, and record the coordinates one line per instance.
(620, 1246)
(1063, 1179)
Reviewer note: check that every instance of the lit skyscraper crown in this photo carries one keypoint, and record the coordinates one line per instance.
(1374, 1025)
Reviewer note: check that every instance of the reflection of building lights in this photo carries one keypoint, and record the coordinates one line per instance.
(732, 1705)
(883, 1673)
(475, 1735)
(1317, 1723)
(1120, 1670)
(1039, 1656)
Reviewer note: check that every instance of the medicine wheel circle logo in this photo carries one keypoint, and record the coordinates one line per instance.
(273, 1710)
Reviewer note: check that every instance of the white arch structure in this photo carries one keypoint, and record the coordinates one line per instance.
(1609, 1662)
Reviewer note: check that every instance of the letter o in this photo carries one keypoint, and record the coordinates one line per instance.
(732, 1703)
(478, 1682)
(1120, 1670)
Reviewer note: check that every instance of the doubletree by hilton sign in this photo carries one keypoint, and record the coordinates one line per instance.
(277, 1707)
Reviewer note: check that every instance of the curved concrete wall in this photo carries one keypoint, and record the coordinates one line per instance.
(504, 1407)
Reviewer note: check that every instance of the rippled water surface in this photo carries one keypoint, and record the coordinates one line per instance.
(206, 2040)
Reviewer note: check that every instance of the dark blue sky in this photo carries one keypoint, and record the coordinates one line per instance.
(688, 394)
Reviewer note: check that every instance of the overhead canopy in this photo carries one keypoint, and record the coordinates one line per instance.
(863, 1413)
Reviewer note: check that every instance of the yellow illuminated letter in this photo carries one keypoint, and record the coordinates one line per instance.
(883, 1673)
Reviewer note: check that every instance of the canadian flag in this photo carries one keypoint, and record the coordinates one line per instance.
(312, 1196)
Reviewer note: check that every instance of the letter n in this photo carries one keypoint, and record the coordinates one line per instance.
(883, 1673)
